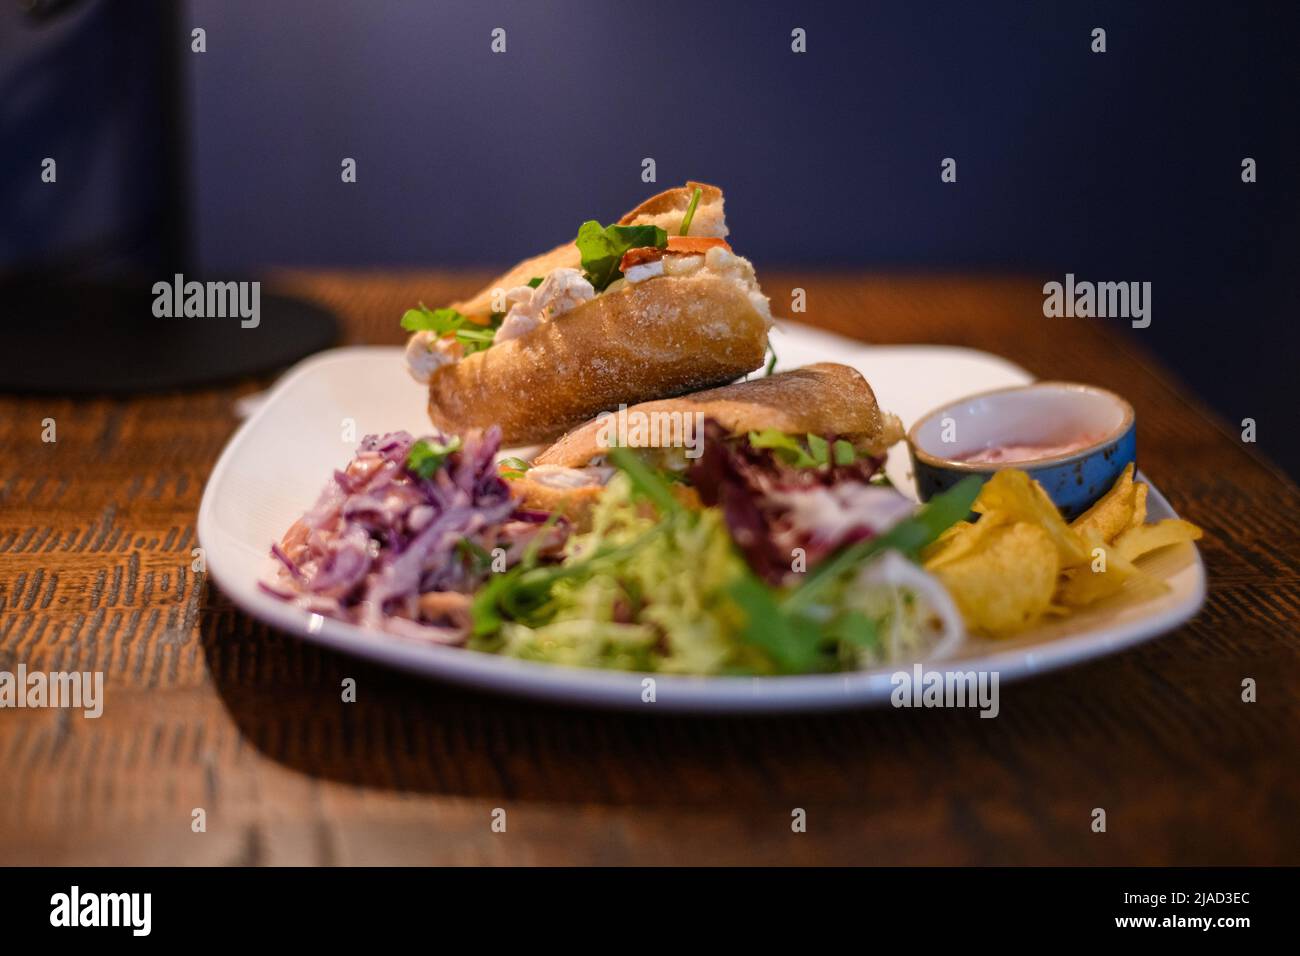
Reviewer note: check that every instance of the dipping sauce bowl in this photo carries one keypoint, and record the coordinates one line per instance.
(1072, 439)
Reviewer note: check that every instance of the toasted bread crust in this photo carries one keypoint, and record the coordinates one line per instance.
(673, 200)
(662, 337)
(825, 399)
(576, 504)
(573, 503)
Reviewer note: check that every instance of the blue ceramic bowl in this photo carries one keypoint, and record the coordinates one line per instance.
(1041, 416)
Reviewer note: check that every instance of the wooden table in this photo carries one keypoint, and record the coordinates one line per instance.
(207, 708)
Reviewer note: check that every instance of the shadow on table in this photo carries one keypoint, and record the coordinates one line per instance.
(409, 734)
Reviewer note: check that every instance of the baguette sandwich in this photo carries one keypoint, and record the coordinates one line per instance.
(654, 305)
(824, 414)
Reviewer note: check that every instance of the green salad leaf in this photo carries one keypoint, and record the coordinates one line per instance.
(855, 628)
(512, 467)
(472, 336)
(425, 458)
(664, 588)
(786, 447)
(603, 248)
(424, 319)
(522, 593)
(813, 451)
(690, 211)
(819, 448)
(791, 641)
(644, 481)
(473, 552)
(770, 367)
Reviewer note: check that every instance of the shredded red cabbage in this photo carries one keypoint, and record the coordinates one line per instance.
(773, 507)
(389, 549)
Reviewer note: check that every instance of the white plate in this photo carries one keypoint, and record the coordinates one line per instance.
(278, 461)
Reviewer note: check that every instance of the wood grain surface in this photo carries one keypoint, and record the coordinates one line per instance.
(206, 708)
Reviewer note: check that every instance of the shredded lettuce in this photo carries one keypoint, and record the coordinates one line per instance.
(620, 598)
(654, 586)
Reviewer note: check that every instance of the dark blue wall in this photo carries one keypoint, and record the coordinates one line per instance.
(1119, 161)
(81, 88)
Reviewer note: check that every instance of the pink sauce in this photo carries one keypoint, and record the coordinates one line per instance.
(1016, 453)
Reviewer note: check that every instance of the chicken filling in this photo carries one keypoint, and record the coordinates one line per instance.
(704, 251)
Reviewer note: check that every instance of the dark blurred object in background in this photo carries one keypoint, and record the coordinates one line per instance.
(81, 82)
(95, 202)
(1122, 166)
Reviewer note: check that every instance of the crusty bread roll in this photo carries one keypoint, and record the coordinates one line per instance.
(825, 399)
(576, 504)
(664, 336)
(661, 337)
